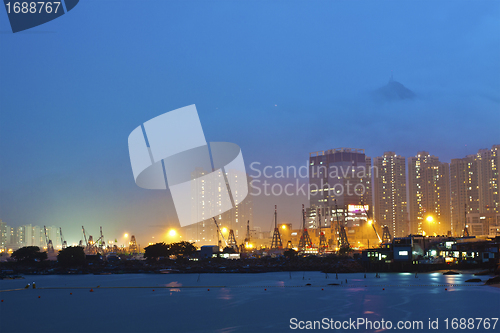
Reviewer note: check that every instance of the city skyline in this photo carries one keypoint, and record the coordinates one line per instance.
(280, 83)
(411, 200)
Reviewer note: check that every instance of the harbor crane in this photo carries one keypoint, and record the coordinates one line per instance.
(247, 238)
(219, 232)
(91, 246)
(231, 241)
(371, 222)
(305, 240)
(63, 242)
(386, 235)
(276, 242)
(322, 238)
(343, 242)
(85, 237)
(99, 242)
(50, 246)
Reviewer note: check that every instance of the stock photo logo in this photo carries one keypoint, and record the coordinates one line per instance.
(25, 15)
(205, 179)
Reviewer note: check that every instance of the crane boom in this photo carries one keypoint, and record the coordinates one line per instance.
(372, 224)
(85, 236)
(218, 230)
(63, 242)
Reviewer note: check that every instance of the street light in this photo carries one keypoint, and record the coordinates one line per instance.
(431, 221)
(172, 233)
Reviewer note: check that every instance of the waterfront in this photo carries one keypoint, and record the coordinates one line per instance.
(236, 302)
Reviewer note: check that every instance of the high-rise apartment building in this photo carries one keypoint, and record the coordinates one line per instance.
(429, 194)
(28, 235)
(390, 193)
(4, 235)
(489, 195)
(340, 189)
(208, 197)
(475, 199)
(339, 176)
(464, 185)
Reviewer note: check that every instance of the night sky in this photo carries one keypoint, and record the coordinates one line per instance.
(279, 78)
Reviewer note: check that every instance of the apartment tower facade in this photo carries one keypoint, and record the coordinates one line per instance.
(390, 193)
(429, 194)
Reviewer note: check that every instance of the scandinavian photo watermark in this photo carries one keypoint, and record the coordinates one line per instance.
(290, 180)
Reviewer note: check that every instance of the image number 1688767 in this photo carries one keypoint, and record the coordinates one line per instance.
(32, 7)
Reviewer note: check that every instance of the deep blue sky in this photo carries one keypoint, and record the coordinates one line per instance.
(279, 78)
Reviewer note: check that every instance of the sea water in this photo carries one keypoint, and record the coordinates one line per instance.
(264, 302)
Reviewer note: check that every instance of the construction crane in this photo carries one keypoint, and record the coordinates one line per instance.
(276, 242)
(50, 246)
(371, 222)
(63, 242)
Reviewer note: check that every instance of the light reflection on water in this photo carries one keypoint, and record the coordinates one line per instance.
(174, 284)
(225, 294)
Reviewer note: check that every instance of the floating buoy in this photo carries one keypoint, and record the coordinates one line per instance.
(38, 296)
(153, 290)
(208, 289)
(265, 289)
(383, 288)
(322, 289)
(71, 293)
(445, 288)
(91, 290)
(2, 301)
